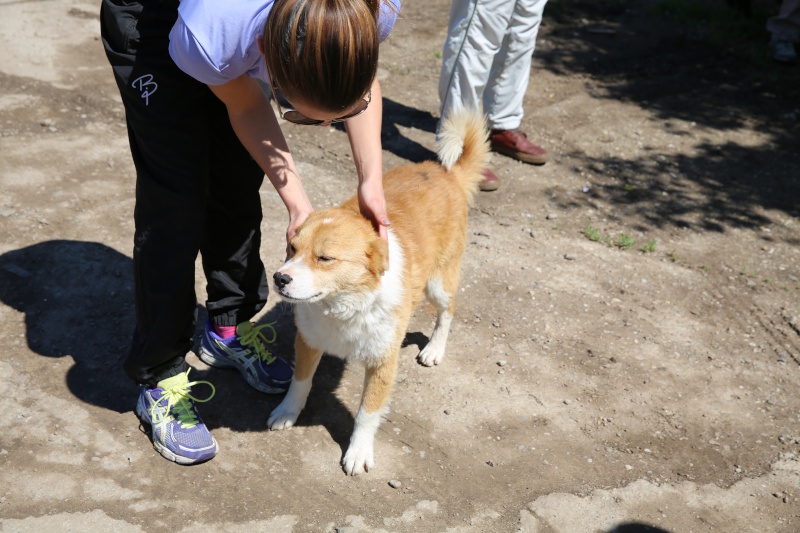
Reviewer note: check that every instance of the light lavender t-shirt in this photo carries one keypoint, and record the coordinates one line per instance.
(214, 41)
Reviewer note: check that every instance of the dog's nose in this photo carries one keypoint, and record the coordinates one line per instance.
(281, 279)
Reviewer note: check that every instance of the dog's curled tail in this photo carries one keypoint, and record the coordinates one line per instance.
(463, 146)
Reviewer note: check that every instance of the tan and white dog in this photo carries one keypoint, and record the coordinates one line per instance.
(353, 296)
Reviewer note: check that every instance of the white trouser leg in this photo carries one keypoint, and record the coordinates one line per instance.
(511, 70)
(474, 36)
(477, 32)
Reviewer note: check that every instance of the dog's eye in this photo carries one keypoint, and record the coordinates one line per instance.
(324, 259)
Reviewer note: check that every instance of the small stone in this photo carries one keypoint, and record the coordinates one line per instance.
(490, 463)
(570, 256)
(395, 484)
(551, 216)
(502, 362)
(447, 411)
(628, 467)
(567, 402)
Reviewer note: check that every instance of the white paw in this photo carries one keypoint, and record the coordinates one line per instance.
(358, 459)
(282, 417)
(430, 355)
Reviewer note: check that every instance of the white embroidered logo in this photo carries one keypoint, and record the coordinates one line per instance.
(146, 86)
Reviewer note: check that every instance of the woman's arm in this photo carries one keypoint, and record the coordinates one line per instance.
(364, 132)
(254, 122)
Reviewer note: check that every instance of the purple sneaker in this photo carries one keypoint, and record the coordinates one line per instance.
(177, 431)
(247, 352)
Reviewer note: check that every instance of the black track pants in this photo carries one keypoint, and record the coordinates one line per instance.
(197, 190)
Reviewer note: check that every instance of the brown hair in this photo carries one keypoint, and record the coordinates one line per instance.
(324, 52)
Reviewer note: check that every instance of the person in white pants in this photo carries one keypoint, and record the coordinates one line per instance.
(486, 62)
(785, 30)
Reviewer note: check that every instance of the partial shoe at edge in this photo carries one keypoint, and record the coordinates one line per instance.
(490, 181)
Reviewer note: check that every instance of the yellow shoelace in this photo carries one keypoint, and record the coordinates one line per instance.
(177, 398)
(253, 338)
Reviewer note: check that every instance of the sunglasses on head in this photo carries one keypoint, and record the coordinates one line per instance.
(297, 117)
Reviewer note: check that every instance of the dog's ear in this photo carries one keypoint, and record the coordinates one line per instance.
(378, 256)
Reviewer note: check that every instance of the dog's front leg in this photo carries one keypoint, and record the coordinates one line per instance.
(307, 359)
(378, 382)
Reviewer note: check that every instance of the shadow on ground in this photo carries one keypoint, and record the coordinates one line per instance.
(78, 302)
(699, 62)
(637, 527)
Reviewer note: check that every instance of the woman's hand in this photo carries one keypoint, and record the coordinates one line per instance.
(372, 204)
(364, 132)
(254, 122)
(296, 219)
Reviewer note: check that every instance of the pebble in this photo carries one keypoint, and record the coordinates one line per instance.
(551, 216)
(395, 484)
(502, 362)
(570, 257)
(628, 467)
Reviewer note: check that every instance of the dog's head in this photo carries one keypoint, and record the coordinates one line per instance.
(334, 252)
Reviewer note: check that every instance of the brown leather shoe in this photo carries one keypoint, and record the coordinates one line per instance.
(490, 182)
(515, 144)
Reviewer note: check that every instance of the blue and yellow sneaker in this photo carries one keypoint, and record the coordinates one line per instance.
(176, 429)
(247, 352)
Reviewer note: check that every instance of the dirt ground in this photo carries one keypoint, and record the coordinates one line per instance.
(626, 351)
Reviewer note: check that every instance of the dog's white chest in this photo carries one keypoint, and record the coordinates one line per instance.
(359, 327)
(364, 335)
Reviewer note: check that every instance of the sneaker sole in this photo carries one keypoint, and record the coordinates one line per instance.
(166, 453)
(212, 360)
(521, 156)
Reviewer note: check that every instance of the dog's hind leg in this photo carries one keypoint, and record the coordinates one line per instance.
(307, 359)
(441, 293)
(378, 382)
